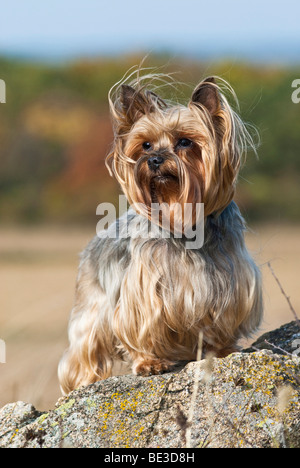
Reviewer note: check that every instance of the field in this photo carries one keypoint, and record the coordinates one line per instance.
(37, 273)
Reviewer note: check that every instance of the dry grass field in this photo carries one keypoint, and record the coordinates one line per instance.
(38, 268)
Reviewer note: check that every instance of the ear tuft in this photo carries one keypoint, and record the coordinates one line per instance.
(207, 94)
(136, 103)
(127, 96)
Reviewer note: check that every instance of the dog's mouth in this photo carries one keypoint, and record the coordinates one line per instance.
(158, 184)
(163, 187)
(164, 178)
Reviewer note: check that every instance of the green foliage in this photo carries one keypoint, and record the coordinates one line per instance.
(55, 133)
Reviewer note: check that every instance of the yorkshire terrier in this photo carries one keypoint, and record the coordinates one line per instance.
(147, 298)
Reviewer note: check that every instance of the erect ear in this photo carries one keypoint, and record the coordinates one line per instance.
(207, 94)
(136, 103)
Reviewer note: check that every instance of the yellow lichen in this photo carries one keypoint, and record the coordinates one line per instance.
(42, 418)
(65, 407)
(121, 408)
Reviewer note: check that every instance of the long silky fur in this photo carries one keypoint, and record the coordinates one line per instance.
(151, 297)
(147, 298)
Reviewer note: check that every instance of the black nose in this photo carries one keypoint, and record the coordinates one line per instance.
(154, 162)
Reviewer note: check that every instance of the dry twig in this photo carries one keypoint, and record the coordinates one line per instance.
(285, 295)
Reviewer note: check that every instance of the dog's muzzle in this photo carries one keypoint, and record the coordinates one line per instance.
(154, 162)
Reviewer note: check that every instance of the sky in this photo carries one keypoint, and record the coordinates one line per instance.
(70, 28)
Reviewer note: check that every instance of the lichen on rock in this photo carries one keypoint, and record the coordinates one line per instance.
(236, 406)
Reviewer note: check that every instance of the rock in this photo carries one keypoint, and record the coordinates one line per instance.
(248, 399)
(283, 340)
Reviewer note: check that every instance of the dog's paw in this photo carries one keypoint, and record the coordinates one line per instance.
(151, 366)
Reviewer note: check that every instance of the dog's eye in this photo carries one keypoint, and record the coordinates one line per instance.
(184, 143)
(147, 146)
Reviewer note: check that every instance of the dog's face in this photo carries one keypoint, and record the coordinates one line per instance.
(168, 167)
(175, 155)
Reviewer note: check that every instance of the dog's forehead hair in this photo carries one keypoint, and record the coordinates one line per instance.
(164, 127)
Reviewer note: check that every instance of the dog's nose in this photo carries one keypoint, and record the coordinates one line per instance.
(154, 162)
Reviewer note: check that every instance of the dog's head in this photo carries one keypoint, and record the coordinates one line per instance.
(173, 154)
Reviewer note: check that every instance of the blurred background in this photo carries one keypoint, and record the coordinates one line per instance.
(59, 60)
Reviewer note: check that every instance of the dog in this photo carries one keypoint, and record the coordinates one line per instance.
(146, 298)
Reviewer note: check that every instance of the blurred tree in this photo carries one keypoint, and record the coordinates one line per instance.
(55, 133)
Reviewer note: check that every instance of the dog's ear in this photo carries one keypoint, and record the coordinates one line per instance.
(137, 103)
(207, 94)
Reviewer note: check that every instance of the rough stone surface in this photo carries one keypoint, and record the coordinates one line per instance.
(283, 340)
(236, 406)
